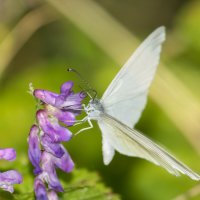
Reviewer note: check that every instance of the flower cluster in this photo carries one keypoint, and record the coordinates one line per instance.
(8, 178)
(46, 152)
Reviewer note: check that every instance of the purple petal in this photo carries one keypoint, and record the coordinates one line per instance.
(78, 97)
(8, 178)
(8, 154)
(72, 101)
(40, 189)
(60, 101)
(65, 163)
(66, 117)
(49, 172)
(66, 87)
(52, 195)
(45, 96)
(34, 152)
(56, 132)
(65, 91)
(53, 148)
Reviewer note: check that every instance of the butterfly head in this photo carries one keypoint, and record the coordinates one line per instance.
(94, 109)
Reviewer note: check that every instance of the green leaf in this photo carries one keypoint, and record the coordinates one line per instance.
(87, 185)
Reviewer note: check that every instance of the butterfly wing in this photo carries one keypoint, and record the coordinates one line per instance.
(132, 143)
(126, 96)
(107, 149)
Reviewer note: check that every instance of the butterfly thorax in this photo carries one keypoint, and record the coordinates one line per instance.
(94, 109)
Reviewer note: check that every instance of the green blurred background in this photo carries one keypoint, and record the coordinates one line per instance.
(40, 39)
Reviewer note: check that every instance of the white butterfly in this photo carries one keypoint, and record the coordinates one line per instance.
(122, 104)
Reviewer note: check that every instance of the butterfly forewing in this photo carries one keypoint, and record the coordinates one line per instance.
(125, 98)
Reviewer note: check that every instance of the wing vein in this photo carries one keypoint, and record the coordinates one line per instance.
(136, 144)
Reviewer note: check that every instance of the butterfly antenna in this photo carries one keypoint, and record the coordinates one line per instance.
(87, 88)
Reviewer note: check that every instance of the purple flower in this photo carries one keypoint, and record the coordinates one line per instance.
(8, 154)
(46, 152)
(67, 117)
(54, 148)
(65, 163)
(45, 96)
(8, 178)
(66, 100)
(49, 165)
(34, 152)
(49, 173)
(53, 98)
(52, 128)
(40, 189)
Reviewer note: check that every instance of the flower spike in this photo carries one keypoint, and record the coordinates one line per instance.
(46, 152)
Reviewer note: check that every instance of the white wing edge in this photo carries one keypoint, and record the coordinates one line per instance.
(107, 150)
(158, 33)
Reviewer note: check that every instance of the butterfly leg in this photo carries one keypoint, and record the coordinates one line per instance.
(84, 129)
(77, 122)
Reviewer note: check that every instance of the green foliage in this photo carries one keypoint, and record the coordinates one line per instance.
(78, 185)
(187, 25)
(86, 185)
